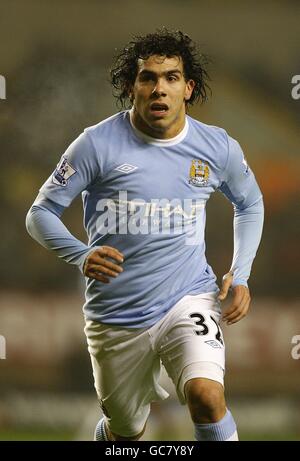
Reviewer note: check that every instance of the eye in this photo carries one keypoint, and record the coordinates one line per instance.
(146, 77)
(172, 78)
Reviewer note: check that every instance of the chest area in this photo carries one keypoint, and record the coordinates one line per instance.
(156, 173)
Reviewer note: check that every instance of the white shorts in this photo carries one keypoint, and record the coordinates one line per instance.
(126, 362)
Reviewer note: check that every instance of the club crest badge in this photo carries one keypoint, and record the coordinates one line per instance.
(62, 173)
(199, 173)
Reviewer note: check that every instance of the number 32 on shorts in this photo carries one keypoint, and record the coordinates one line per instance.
(201, 322)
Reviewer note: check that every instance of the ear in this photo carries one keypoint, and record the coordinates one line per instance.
(189, 88)
(130, 93)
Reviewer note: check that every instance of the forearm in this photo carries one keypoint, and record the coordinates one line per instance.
(248, 225)
(44, 225)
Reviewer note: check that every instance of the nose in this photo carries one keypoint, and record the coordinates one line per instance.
(159, 89)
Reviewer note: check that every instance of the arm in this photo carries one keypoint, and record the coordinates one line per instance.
(77, 169)
(44, 225)
(247, 229)
(241, 188)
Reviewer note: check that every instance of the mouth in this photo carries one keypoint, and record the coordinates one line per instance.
(159, 109)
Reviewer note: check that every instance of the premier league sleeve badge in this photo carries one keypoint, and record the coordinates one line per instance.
(63, 173)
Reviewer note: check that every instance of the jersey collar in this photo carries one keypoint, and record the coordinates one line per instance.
(159, 142)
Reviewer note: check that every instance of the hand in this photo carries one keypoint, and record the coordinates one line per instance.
(97, 266)
(240, 303)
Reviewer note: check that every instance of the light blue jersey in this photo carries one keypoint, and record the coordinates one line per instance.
(146, 197)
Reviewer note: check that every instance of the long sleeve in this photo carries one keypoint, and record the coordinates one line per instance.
(247, 228)
(76, 171)
(43, 223)
(241, 188)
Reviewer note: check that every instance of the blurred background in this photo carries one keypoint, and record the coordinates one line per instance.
(55, 57)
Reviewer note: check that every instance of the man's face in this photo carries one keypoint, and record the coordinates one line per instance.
(159, 94)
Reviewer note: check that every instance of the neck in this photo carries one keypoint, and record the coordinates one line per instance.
(158, 132)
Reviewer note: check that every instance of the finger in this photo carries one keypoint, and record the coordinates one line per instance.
(97, 276)
(111, 253)
(235, 310)
(111, 265)
(102, 253)
(225, 287)
(114, 249)
(103, 270)
(102, 261)
(241, 315)
(240, 295)
(240, 311)
(235, 303)
(236, 315)
(105, 262)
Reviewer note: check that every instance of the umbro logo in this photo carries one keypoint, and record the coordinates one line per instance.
(126, 168)
(214, 344)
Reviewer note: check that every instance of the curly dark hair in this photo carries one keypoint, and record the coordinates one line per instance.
(163, 43)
